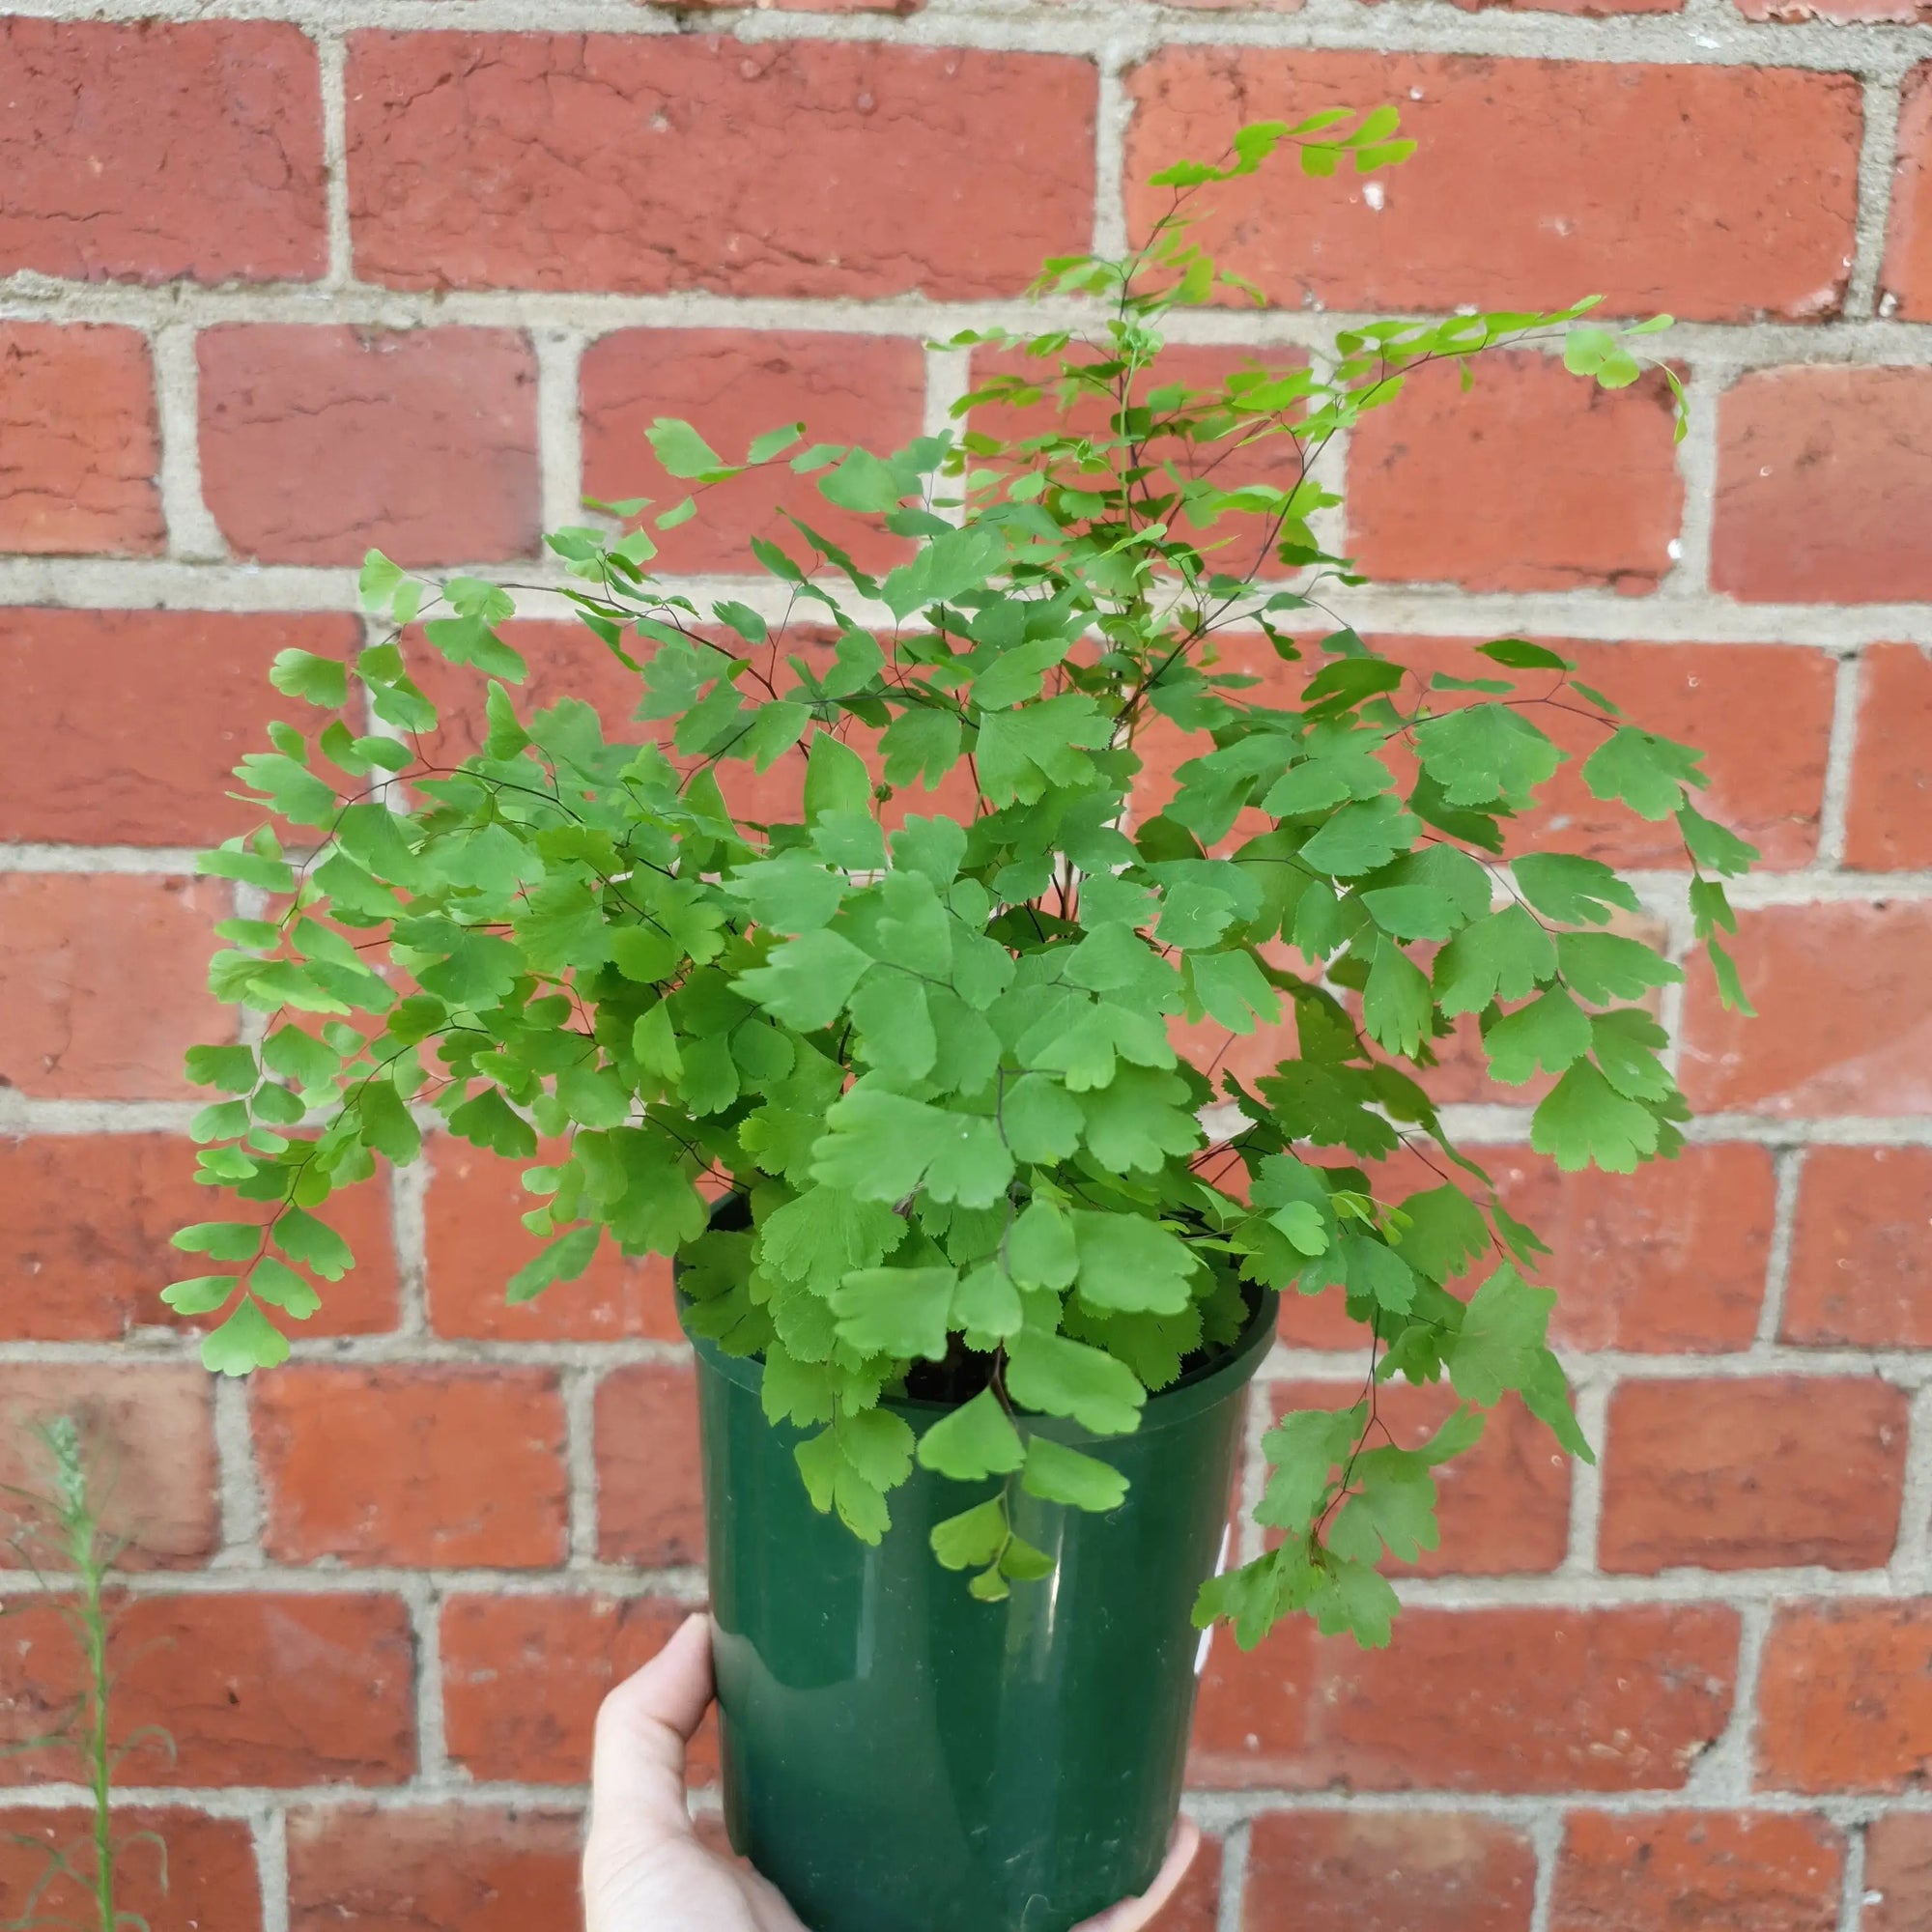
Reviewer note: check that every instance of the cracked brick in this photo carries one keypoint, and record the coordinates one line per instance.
(1824, 485)
(284, 1689)
(79, 445)
(731, 386)
(123, 728)
(643, 163)
(85, 1221)
(1719, 193)
(1533, 481)
(152, 150)
(318, 442)
(462, 1868)
(103, 984)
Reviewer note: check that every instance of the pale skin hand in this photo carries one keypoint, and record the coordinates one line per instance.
(645, 1869)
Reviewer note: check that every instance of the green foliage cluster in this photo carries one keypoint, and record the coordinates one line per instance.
(58, 1532)
(933, 1050)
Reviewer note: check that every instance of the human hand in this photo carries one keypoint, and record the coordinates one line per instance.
(645, 1869)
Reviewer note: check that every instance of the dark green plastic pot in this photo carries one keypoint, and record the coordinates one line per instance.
(899, 1757)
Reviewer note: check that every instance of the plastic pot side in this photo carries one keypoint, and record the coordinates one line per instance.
(899, 1757)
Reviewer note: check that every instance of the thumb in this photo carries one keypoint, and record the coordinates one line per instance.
(1132, 1914)
(642, 1729)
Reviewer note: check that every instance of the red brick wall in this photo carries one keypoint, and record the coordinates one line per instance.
(275, 289)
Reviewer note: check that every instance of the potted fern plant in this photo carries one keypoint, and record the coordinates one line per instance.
(978, 1240)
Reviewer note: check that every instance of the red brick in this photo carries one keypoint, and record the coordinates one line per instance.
(900, 7)
(1503, 1700)
(79, 449)
(1753, 1475)
(1417, 1871)
(1898, 1873)
(1761, 713)
(296, 1689)
(1534, 480)
(566, 660)
(1670, 1259)
(1905, 278)
(647, 164)
(1888, 815)
(320, 441)
(1585, 9)
(148, 1434)
(1719, 194)
(1860, 1263)
(650, 1494)
(1719, 1871)
(1845, 1697)
(1844, 1005)
(1198, 365)
(151, 151)
(467, 1868)
(476, 1242)
(1238, 541)
(563, 659)
(84, 1251)
(1823, 489)
(1840, 12)
(123, 728)
(450, 1468)
(733, 386)
(522, 1678)
(201, 1877)
(1504, 1507)
(103, 984)
(1320, 1322)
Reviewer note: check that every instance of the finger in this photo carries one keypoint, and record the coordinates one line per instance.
(1132, 1914)
(638, 1767)
(769, 1906)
